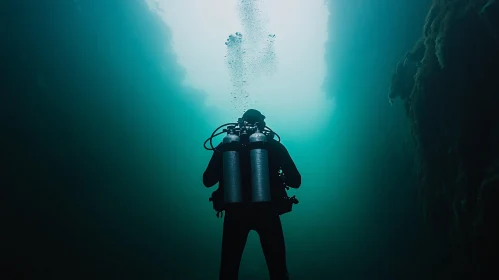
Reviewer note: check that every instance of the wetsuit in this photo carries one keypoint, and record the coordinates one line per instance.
(263, 217)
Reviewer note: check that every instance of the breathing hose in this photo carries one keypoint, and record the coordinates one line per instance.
(215, 134)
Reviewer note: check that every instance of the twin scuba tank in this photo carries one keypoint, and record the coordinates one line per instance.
(231, 147)
(259, 163)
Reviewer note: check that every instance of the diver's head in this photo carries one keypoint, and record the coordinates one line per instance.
(253, 116)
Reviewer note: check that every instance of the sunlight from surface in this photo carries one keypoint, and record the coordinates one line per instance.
(283, 78)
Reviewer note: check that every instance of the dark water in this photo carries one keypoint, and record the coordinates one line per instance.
(102, 151)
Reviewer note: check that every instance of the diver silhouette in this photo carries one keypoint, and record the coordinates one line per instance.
(262, 217)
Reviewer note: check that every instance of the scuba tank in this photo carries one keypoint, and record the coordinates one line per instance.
(259, 162)
(231, 167)
(255, 142)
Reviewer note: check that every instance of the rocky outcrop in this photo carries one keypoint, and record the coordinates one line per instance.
(449, 84)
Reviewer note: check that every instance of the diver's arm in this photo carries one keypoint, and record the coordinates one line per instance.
(293, 177)
(211, 175)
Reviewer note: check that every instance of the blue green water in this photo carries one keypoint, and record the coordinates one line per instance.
(103, 142)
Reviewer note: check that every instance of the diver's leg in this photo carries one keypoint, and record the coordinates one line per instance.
(235, 234)
(272, 239)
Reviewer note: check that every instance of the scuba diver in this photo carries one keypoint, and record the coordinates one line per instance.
(253, 172)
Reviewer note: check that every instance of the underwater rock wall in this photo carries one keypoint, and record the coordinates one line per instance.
(91, 105)
(449, 83)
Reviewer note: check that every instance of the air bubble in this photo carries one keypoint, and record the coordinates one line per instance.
(251, 55)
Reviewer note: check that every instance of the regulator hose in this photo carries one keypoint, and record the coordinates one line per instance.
(270, 130)
(215, 134)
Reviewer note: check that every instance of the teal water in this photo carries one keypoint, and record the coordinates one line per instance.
(103, 144)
